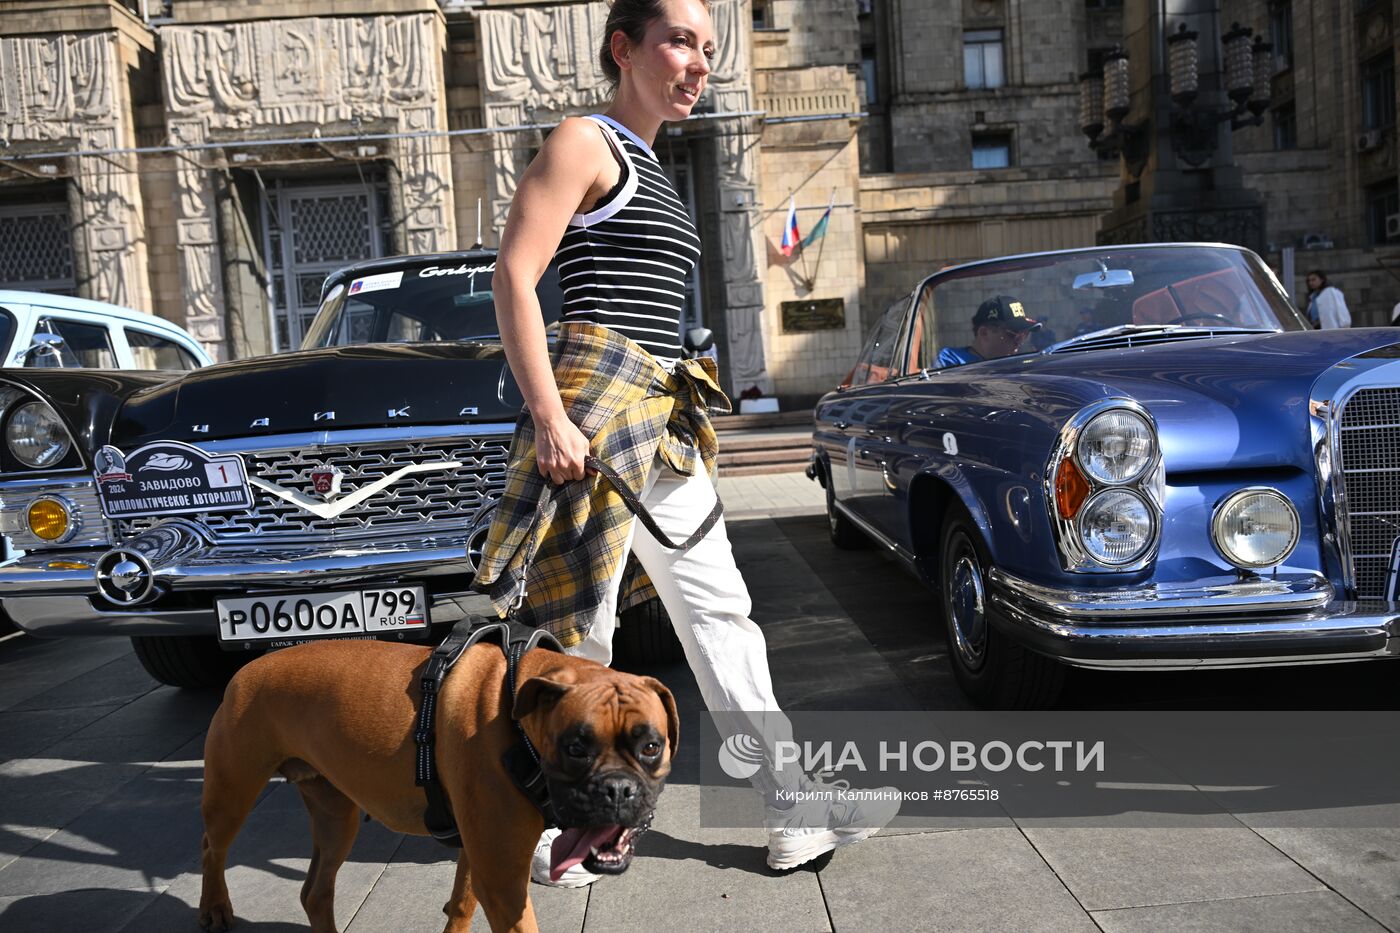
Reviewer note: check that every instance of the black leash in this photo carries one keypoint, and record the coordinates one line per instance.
(634, 505)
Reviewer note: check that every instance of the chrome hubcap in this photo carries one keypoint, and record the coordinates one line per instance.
(966, 598)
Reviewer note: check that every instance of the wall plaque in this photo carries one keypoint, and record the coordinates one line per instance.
(800, 317)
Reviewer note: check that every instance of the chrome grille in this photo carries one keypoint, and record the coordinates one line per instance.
(419, 505)
(1369, 440)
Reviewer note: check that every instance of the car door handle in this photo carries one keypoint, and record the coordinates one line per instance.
(841, 425)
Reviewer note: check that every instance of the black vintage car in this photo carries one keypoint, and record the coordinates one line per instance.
(341, 490)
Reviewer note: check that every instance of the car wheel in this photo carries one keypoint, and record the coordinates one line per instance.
(189, 661)
(645, 635)
(993, 671)
(844, 533)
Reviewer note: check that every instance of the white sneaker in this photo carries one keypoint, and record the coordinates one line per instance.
(575, 876)
(827, 817)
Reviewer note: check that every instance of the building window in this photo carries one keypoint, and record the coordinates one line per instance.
(1286, 127)
(762, 15)
(1378, 92)
(1382, 202)
(1103, 4)
(991, 150)
(982, 59)
(867, 70)
(1281, 33)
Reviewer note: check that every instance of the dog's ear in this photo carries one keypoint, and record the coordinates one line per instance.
(538, 693)
(673, 719)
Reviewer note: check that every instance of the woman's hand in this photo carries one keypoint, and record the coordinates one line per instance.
(560, 449)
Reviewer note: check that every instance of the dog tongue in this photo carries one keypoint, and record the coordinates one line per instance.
(572, 846)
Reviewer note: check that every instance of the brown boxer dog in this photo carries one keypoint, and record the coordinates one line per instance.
(337, 718)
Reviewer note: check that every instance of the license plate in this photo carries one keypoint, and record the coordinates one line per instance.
(289, 617)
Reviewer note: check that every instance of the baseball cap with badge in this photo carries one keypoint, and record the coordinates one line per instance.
(1006, 311)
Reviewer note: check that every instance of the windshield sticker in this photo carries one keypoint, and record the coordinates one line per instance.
(376, 283)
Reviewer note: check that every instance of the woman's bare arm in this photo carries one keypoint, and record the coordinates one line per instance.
(562, 178)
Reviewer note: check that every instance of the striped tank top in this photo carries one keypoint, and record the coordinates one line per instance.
(623, 264)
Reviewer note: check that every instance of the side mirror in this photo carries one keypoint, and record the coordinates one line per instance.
(41, 343)
(699, 339)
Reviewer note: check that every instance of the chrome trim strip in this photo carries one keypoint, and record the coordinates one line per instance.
(1347, 631)
(874, 534)
(378, 436)
(1296, 593)
(234, 568)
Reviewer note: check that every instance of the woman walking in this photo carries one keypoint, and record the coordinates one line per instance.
(596, 199)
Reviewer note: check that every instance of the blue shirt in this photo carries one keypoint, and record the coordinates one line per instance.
(956, 356)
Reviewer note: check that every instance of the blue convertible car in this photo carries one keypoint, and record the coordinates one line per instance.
(1173, 470)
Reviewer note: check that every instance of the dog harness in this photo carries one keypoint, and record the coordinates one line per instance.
(521, 760)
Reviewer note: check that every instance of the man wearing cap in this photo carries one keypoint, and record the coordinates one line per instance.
(998, 329)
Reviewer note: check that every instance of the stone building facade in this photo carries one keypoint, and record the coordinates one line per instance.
(972, 147)
(1325, 158)
(211, 160)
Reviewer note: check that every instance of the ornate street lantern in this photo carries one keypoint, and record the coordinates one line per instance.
(1239, 63)
(1091, 103)
(1263, 77)
(1117, 99)
(1184, 54)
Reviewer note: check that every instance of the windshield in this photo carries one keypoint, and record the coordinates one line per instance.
(1077, 295)
(446, 301)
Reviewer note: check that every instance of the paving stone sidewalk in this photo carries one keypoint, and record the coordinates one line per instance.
(100, 826)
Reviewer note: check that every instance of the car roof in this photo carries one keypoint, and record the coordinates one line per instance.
(390, 263)
(69, 303)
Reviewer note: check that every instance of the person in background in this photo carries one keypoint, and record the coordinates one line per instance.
(999, 328)
(1326, 307)
(1395, 315)
(1086, 322)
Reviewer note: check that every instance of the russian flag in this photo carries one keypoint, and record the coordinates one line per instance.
(791, 237)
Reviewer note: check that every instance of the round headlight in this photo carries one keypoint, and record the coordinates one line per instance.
(1116, 527)
(1116, 446)
(48, 518)
(1255, 528)
(36, 437)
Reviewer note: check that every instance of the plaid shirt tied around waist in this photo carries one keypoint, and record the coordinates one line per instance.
(631, 410)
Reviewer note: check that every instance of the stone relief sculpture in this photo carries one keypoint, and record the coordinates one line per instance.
(736, 159)
(60, 90)
(297, 76)
(537, 66)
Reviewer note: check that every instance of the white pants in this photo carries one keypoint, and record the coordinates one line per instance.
(709, 605)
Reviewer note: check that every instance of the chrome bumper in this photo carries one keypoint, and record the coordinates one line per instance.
(1224, 622)
(56, 593)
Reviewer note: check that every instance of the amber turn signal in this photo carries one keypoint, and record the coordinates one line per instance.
(1071, 489)
(48, 519)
